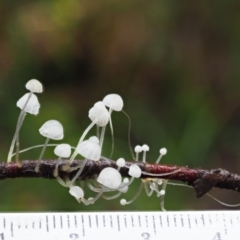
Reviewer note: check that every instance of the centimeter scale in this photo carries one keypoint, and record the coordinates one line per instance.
(202, 225)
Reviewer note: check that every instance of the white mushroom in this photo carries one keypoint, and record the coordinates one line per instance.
(99, 116)
(135, 171)
(28, 104)
(120, 163)
(62, 151)
(137, 150)
(76, 192)
(35, 86)
(51, 129)
(145, 149)
(114, 102)
(110, 178)
(90, 150)
(162, 151)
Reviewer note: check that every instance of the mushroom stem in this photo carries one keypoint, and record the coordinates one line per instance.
(79, 171)
(111, 127)
(162, 196)
(19, 124)
(41, 155)
(75, 153)
(104, 128)
(134, 198)
(55, 172)
(129, 133)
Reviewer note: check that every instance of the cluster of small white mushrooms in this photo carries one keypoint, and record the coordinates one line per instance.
(109, 179)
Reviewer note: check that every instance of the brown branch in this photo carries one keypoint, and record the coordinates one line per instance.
(200, 179)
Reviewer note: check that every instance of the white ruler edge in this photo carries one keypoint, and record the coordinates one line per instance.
(202, 225)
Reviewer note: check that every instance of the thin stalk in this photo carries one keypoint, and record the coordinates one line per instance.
(19, 124)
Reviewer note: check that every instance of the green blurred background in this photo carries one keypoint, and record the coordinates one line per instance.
(175, 63)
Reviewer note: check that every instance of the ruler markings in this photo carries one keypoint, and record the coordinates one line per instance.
(97, 220)
(11, 229)
(213, 226)
(154, 224)
(139, 221)
(111, 222)
(118, 223)
(189, 222)
(104, 222)
(54, 222)
(68, 221)
(83, 229)
(175, 220)
(47, 224)
(168, 221)
(160, 218)
(203, 220)
(89, 221)
(146, 219)
(182, 220)
(132, 221)
(61, 221)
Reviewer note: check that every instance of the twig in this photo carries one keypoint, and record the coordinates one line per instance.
(200, 179)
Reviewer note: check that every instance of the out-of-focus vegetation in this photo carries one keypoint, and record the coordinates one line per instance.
(175, 63)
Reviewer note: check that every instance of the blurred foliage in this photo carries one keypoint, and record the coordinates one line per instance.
(175, 63)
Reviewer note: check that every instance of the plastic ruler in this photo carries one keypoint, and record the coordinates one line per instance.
(202, 225)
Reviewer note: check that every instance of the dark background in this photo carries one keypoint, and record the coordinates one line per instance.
(175, 63)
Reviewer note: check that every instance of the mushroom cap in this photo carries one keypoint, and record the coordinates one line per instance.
(90, 149)
(138, 149)
(113, 101)
(52, 129)
(163, 151)
(110, 177)
(77, 192)
(145, 147)
(120, 162)
(32, 106)
(99, 114)
(34, 85)
(134, 171)
(63, 150)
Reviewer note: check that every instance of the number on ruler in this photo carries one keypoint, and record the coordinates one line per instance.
(74, 236)
(145, 236)
(2, 236)
(217, 236)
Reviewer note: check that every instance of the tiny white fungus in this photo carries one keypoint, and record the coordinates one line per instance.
(76, 192)
(113, 101)
(123, 202)
(135, 171)
(63, 150)
(99, 114)
(52, 129)
(145, 149)
(121, 162)
(32, 105)
(110, 177)
(90, 149)
(163, 151)
(35, 86)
